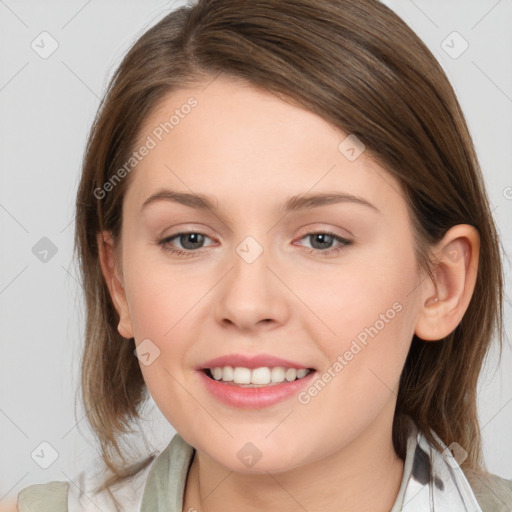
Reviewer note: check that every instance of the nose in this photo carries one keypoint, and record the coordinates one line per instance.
(251, 297)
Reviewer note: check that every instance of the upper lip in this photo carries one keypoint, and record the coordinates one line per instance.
(251, 361)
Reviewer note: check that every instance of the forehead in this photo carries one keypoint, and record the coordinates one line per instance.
(232, 140)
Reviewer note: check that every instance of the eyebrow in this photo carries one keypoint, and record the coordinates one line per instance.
(294, 203)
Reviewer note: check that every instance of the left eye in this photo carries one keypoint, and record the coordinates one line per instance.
(323, 241)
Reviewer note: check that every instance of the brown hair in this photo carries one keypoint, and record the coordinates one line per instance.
(356, 64)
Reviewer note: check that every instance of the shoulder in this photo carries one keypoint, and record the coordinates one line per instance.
(493, 493)
(81, 494)
(51, 496)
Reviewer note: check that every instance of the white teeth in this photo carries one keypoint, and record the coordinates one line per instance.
(242, 375)
(227, 374)
(258, 376)
(290, 374)
(217, 373)
(277, 374)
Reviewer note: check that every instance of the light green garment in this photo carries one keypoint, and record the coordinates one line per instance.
(167, 479)
(49, 497)
(164, 488)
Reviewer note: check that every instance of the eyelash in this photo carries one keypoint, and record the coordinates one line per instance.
(165, 244)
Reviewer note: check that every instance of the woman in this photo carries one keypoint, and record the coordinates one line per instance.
(282, 212)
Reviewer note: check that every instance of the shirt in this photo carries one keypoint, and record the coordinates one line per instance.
(160, 486)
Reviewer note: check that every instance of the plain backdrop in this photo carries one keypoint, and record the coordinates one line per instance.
(47, 106)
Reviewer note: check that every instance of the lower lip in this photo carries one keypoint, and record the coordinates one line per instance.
(254, 398)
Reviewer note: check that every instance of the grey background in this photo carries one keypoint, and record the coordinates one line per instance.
(47, 108)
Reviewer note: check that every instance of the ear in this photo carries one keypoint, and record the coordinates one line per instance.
(109, 267)
(446, 298)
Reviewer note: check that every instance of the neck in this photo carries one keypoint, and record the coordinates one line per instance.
(364, 475)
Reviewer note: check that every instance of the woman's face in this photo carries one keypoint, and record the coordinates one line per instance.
(256, 280)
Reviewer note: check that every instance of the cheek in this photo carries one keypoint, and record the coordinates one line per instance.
(158, 294)
(162, 304)
(370, 312)
(368, 295)
(166, 302)
(372, 305)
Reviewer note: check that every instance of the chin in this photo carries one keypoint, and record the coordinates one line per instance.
(249, 460)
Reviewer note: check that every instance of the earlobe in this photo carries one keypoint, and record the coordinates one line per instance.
(109, 267)
(446, 297)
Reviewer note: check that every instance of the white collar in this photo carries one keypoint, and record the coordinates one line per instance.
(434, 481)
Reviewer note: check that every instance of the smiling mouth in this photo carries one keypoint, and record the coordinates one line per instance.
(257, 378)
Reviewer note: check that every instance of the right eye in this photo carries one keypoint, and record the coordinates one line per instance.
(190, 241)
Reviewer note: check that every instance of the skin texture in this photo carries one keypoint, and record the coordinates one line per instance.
(8, 506)
(250, 151)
